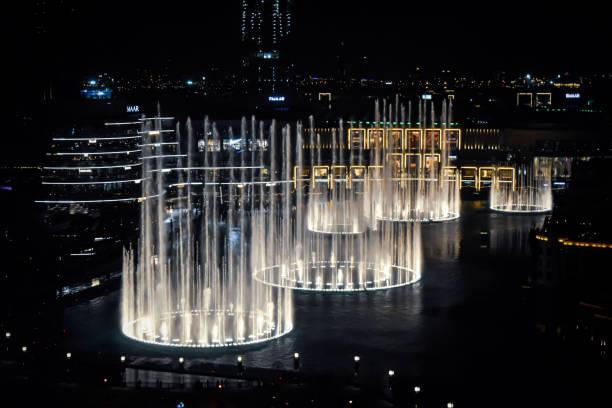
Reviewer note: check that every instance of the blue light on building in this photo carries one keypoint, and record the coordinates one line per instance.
(276, 98)
(96, 93)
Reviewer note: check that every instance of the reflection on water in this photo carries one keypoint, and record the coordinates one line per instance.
(149, 379)
(442, 240)
(461, 314)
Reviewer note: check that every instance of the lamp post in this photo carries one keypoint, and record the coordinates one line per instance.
(391, 374)
(239, 362)
(296, 360)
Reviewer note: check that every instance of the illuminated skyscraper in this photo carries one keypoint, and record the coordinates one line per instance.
(265, 33)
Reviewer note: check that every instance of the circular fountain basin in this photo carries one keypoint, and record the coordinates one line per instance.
(520, 208)
(337, 276)
(448, 217)
(167, 330)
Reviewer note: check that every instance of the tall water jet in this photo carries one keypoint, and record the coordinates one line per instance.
(529, 191)
(189, 282)
(334, 242)
(336, 200)
(418, 183)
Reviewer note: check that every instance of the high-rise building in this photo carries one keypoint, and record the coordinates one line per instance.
(266, 31)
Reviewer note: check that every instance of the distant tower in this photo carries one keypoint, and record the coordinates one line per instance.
(265, 33)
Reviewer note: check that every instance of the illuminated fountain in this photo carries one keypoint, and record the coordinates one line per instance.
(189, 282)
(381, 258)
(417, 182)
(336, 200)
(529, 191)
(338, 244)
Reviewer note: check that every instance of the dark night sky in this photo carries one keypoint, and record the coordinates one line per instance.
(115, 34)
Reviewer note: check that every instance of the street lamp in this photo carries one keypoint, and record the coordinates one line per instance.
(296, 360)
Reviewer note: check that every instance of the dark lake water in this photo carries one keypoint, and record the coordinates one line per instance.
(465, 322)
